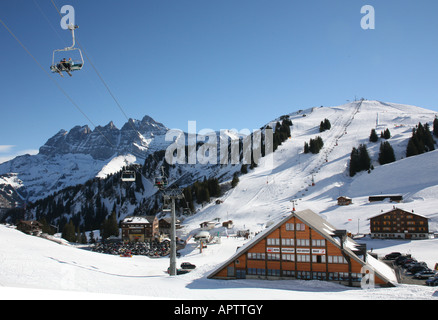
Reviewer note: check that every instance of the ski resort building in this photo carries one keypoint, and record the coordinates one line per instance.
(399, 224)
(139, 228)
(303, 246)
(344, 201)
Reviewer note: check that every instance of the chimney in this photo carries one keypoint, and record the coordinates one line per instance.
(342, 235)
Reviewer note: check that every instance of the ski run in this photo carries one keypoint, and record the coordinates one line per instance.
(36, 267)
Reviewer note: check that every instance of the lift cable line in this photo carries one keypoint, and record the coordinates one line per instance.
(100, 77)
(112, 96)
(161, 182)
(56, 83)
(60, 88)
(168, 194)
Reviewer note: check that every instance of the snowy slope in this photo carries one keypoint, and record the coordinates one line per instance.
(32, 264)
(75, 156)
(266, 193)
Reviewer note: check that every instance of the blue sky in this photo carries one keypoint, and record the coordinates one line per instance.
(223, 63)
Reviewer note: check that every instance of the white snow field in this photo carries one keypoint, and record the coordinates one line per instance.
(262, 196)
(36, 268)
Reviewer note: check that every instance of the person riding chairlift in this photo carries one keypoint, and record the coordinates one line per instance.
(64, 64)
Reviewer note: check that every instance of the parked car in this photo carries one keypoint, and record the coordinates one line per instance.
(392, 256)
(426, 274)
(402, 258)
(432, 281)
(187, 266)
(405, 263)
(179, 271)
(417, 267)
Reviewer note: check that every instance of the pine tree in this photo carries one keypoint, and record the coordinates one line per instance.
(364, 158)
(435, 127)
(428, 139)
(92, 239)
(325, 125)
(354, 162)
(373, 136)
(359, 160)
(421, 141)
(386, 154)
(68, 232)
(235, 181)
(306, 147)
(314, 146)
(110, 227)
(84, 239)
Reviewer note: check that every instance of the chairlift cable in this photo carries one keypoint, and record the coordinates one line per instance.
(104, 83)
(56, 83)
(109, 91)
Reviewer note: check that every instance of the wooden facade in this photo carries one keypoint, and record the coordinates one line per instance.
(344, 201)
(301, 246)
(399, 224)
(392, 198)
(140, 228)
(31, 227)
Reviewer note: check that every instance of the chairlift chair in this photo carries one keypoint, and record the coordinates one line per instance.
(75, 64)
(161, 182)
(128, 176)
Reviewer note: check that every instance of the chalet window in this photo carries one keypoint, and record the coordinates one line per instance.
(287, 242)
(289, 227)
(303, 275)
(274, 256)
(240, 274)
(273, 272)
(256, 256)
(300, 226)
(336, 259)
(288, 257)
(273, 242)
(303, 242)
(319, 275)
(288, 273)
(303, 258)
(256, 271)
(318, 259)
(318, 243)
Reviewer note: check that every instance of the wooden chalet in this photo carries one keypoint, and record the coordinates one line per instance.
(228, 224)
(391, 197)
(344, 201)
(399, 224)
(31, 227)
(302, 246)
(139, 228)
(165, 225)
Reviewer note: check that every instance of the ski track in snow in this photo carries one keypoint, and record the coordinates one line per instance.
(263, 195)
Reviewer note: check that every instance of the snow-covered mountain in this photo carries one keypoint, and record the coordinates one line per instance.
(262, 196)
(264, 193)
(75, 156)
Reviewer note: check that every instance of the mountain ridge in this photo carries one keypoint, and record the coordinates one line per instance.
(267, 188)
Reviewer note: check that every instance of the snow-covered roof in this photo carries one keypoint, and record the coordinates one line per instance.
(138, 219)
(318, 224)
(395, 208)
